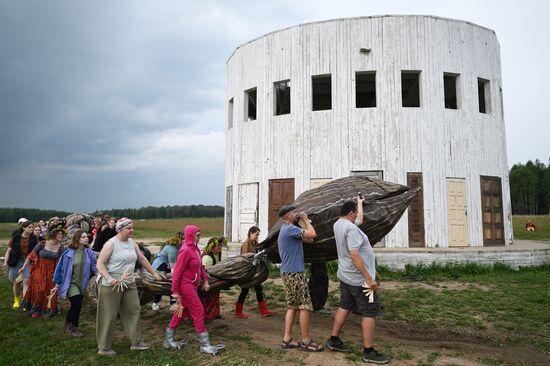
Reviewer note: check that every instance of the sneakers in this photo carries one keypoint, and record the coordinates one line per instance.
(337, 346)
(375, 357)
(140, 346)
(16, 302)
(106, 352)
(155, 306)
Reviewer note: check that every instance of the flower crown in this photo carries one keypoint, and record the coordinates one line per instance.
(174, 241)
(213, 242)
(54, 229)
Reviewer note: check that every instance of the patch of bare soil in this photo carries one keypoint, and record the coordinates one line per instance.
(408, 344)
(439, 287)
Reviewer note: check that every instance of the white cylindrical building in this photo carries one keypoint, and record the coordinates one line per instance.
(415, 100)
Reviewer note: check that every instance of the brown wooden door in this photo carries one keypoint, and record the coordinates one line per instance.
(281, 192)
(491, 210)
(416, 213)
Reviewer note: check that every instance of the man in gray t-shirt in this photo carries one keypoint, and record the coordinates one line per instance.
(357, 275)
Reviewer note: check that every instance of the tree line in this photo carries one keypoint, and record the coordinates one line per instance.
(8, 214)
(530, 188)
(164, 212)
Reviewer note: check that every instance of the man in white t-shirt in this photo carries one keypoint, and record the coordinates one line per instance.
(357, 275)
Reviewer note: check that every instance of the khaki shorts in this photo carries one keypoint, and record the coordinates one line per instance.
(297, 291)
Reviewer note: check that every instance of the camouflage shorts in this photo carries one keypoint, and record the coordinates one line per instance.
(296, 291)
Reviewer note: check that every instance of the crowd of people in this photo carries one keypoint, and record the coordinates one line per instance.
(42, 270)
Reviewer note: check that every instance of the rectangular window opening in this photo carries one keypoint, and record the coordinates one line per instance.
(282, 97)
(450, 90)
(484, 95)
(365, 89)
(250, 104)
(321, 93)
(410, 88)
(230, 114)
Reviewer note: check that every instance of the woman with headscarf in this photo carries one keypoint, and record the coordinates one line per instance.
(72, 274)
(250, 245)
(19, 246)
(186, 278)
(42, 261)
(116, 266)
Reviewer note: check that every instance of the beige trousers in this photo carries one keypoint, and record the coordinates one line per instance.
(111, 303)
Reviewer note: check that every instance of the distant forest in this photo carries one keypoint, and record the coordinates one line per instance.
(8, 214)
(530, 188)
(165, 212)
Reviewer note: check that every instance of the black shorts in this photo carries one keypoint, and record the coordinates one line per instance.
(353, 298)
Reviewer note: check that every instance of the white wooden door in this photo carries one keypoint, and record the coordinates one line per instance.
(457, 212)
(248, 208)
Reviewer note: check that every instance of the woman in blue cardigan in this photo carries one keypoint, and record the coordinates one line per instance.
(76, 265)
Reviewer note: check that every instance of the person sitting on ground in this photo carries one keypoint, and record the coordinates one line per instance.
(250, 245)
(530, 226)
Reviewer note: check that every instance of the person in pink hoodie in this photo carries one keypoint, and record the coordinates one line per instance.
(186, 277)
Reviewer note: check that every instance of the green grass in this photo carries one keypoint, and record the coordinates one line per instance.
(514, 303)
(167, 228)
(542, 223)
(491, 305)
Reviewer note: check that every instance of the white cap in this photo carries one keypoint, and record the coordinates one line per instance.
(22, 220)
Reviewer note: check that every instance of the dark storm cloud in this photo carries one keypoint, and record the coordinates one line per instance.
(122, 103)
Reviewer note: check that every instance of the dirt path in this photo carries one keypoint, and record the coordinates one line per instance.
(407, 344)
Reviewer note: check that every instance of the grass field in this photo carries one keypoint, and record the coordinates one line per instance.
(542, 223)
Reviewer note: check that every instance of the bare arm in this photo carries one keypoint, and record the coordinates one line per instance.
(309, 231)
(359, 219)
(27, 260)
(104, 256)
(6, 256)
(358, 262)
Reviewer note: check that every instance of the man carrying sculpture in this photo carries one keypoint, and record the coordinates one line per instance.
(357, 275)
(294, 278)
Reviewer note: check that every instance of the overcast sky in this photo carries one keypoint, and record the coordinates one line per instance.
(113, 104)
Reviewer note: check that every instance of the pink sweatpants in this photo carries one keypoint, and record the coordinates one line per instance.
(190, 299)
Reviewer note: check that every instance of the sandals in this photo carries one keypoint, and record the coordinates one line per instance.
(290, 344)
(311, 347)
